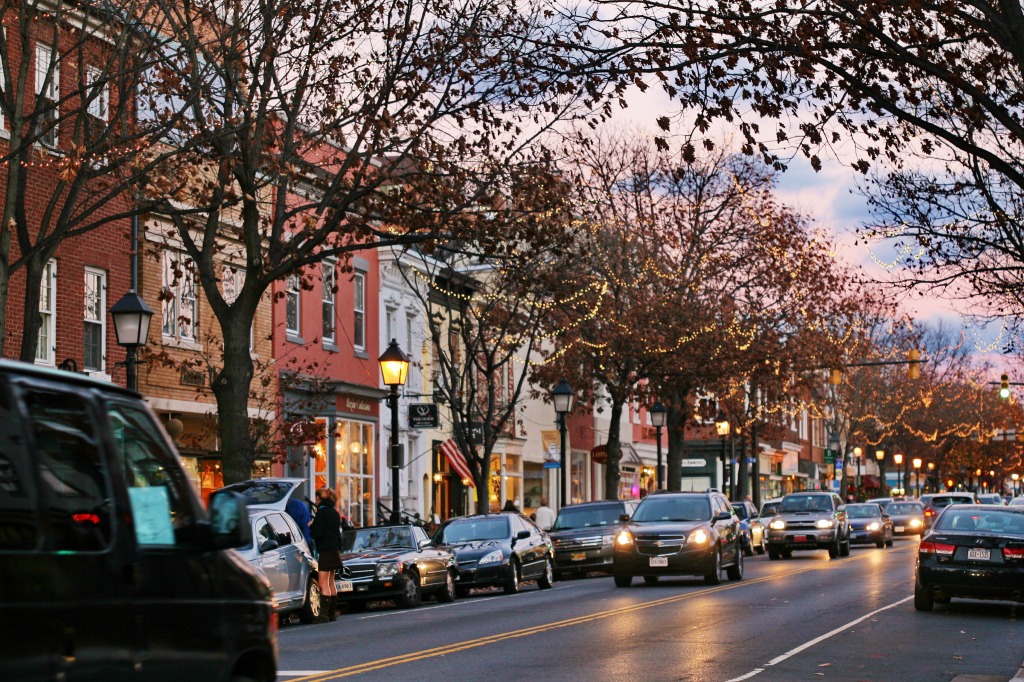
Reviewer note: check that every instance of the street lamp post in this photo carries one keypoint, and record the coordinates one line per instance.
(722, 428)
(131, 325)
(857, 452)
(898, 461)
(917, 476)
(563, 396)
(880, 459)
(394, 367)
(930, 482)
(658, 414)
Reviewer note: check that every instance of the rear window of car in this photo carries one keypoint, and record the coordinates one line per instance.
(982, 521)
(946, 500)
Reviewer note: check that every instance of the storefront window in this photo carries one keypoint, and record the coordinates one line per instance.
(579, 470)
(353, 461)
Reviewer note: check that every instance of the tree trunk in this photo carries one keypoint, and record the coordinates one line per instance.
(744, 477)
(483, 486)
(31, 320)
(614, 452)
(674, 423)
(231, 386)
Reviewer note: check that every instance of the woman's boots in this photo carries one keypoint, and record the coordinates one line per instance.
(332, 608)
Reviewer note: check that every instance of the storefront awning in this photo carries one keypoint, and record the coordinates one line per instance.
(869, 481)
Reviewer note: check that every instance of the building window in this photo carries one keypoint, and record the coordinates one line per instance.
(179, 286)
(359, 309)
(46, 347)
(98, 92)
(292, 290)
(355, 449)
(327, 300)
(47, 90)
(389, 325)
(409, 326)
(95, 340)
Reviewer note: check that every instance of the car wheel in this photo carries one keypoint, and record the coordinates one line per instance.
(760, 548)
(888, 543)
(773, 554)
(512, 583)
(923, 599)
(651, 579)
(714, 576)
(412, 593)
(623, 580)
(735, 572)
(447, 593)
(880, 544)
(844, 549)
(310, 611)
(834, 549)
(547, 579)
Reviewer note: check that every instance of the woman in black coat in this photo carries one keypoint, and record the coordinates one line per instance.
(326, 533)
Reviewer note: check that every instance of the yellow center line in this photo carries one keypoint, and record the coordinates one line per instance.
(379, 664)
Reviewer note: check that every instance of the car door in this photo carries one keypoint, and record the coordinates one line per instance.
(291, 559)
(269, 560)
(526, 548)
(728, 529)
(432, 561)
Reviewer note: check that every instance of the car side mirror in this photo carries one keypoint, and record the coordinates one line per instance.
(841, 508)
(522, 535)
(268, 545)
(723, 516)
(425, 543)
(624, 517)
(229, 520)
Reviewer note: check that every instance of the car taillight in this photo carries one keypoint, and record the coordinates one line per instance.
(937, 548)
(1013, 553)
(929, 512)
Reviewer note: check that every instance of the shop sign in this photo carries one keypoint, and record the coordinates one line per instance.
(423, 416)
(599, 454)
(694, 463)
(354, 404)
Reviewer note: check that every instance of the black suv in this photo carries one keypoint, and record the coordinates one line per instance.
(584, 533)
(809, 520)
(679, 534)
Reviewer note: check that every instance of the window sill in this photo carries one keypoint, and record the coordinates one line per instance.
(99, 375)
(292, 338)
(331, 348)
(183, 344)
(362, 354)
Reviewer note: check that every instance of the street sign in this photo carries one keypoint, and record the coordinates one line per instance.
(423, 416)
(830, 456)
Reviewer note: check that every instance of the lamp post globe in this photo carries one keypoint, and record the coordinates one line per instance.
(394, 369)
(131, 316)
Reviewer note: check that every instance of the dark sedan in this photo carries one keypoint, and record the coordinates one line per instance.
(400, 563)
(971, 552)
(679, 534)
(502, 550)
(907, 518)
(584, 533)
(869, 524)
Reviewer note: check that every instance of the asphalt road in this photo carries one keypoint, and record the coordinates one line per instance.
(806, 618)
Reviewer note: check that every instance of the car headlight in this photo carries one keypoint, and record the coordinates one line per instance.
(914, 523)
(389, 570)
(624, 538)
(491, 558)
(825, 523)
(777, 524)
(698, 537)
(874, 525)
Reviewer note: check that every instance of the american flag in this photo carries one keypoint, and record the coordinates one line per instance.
(458, 462)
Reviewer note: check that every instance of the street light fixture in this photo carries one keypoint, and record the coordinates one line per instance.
(563, 397)
(394, 368)
(1016, 477)
(857, 452)
(898, 461)
(131, 325)
(917, 476)
(722, 428)
(658, 413)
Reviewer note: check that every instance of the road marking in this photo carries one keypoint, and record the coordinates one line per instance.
(369, 666)
(818, 640)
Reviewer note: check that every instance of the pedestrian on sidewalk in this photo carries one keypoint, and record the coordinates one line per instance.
(326, 533)
(545, 515)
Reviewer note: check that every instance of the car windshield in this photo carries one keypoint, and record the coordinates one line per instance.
(982, 521)
(905, 508)
(799, 503)
(863, 511)
(363, 539)
(472, 530)
(741, 511)
(769, 510)
(673, 509)
(587, 517)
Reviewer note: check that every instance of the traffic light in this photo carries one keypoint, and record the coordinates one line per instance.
(913, 369)
(835, 377)
(1004, 386)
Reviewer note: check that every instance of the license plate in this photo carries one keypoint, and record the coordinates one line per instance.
(898, 529)
(659, 561)
(979, 554)
(799, 538)
(343, 585)
(579, 556)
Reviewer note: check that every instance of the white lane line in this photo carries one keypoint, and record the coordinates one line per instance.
(300, 673)
(818, 640)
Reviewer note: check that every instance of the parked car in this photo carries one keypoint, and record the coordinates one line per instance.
(503, 549)
(1017, 502)
(750, 526)
(972, 552)
(679, 533)
(868, 523)
(279, 550)
(934, 503)
(907, 518)
(397, 562)
(112, 568)
(583, 536)
(809, 520)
